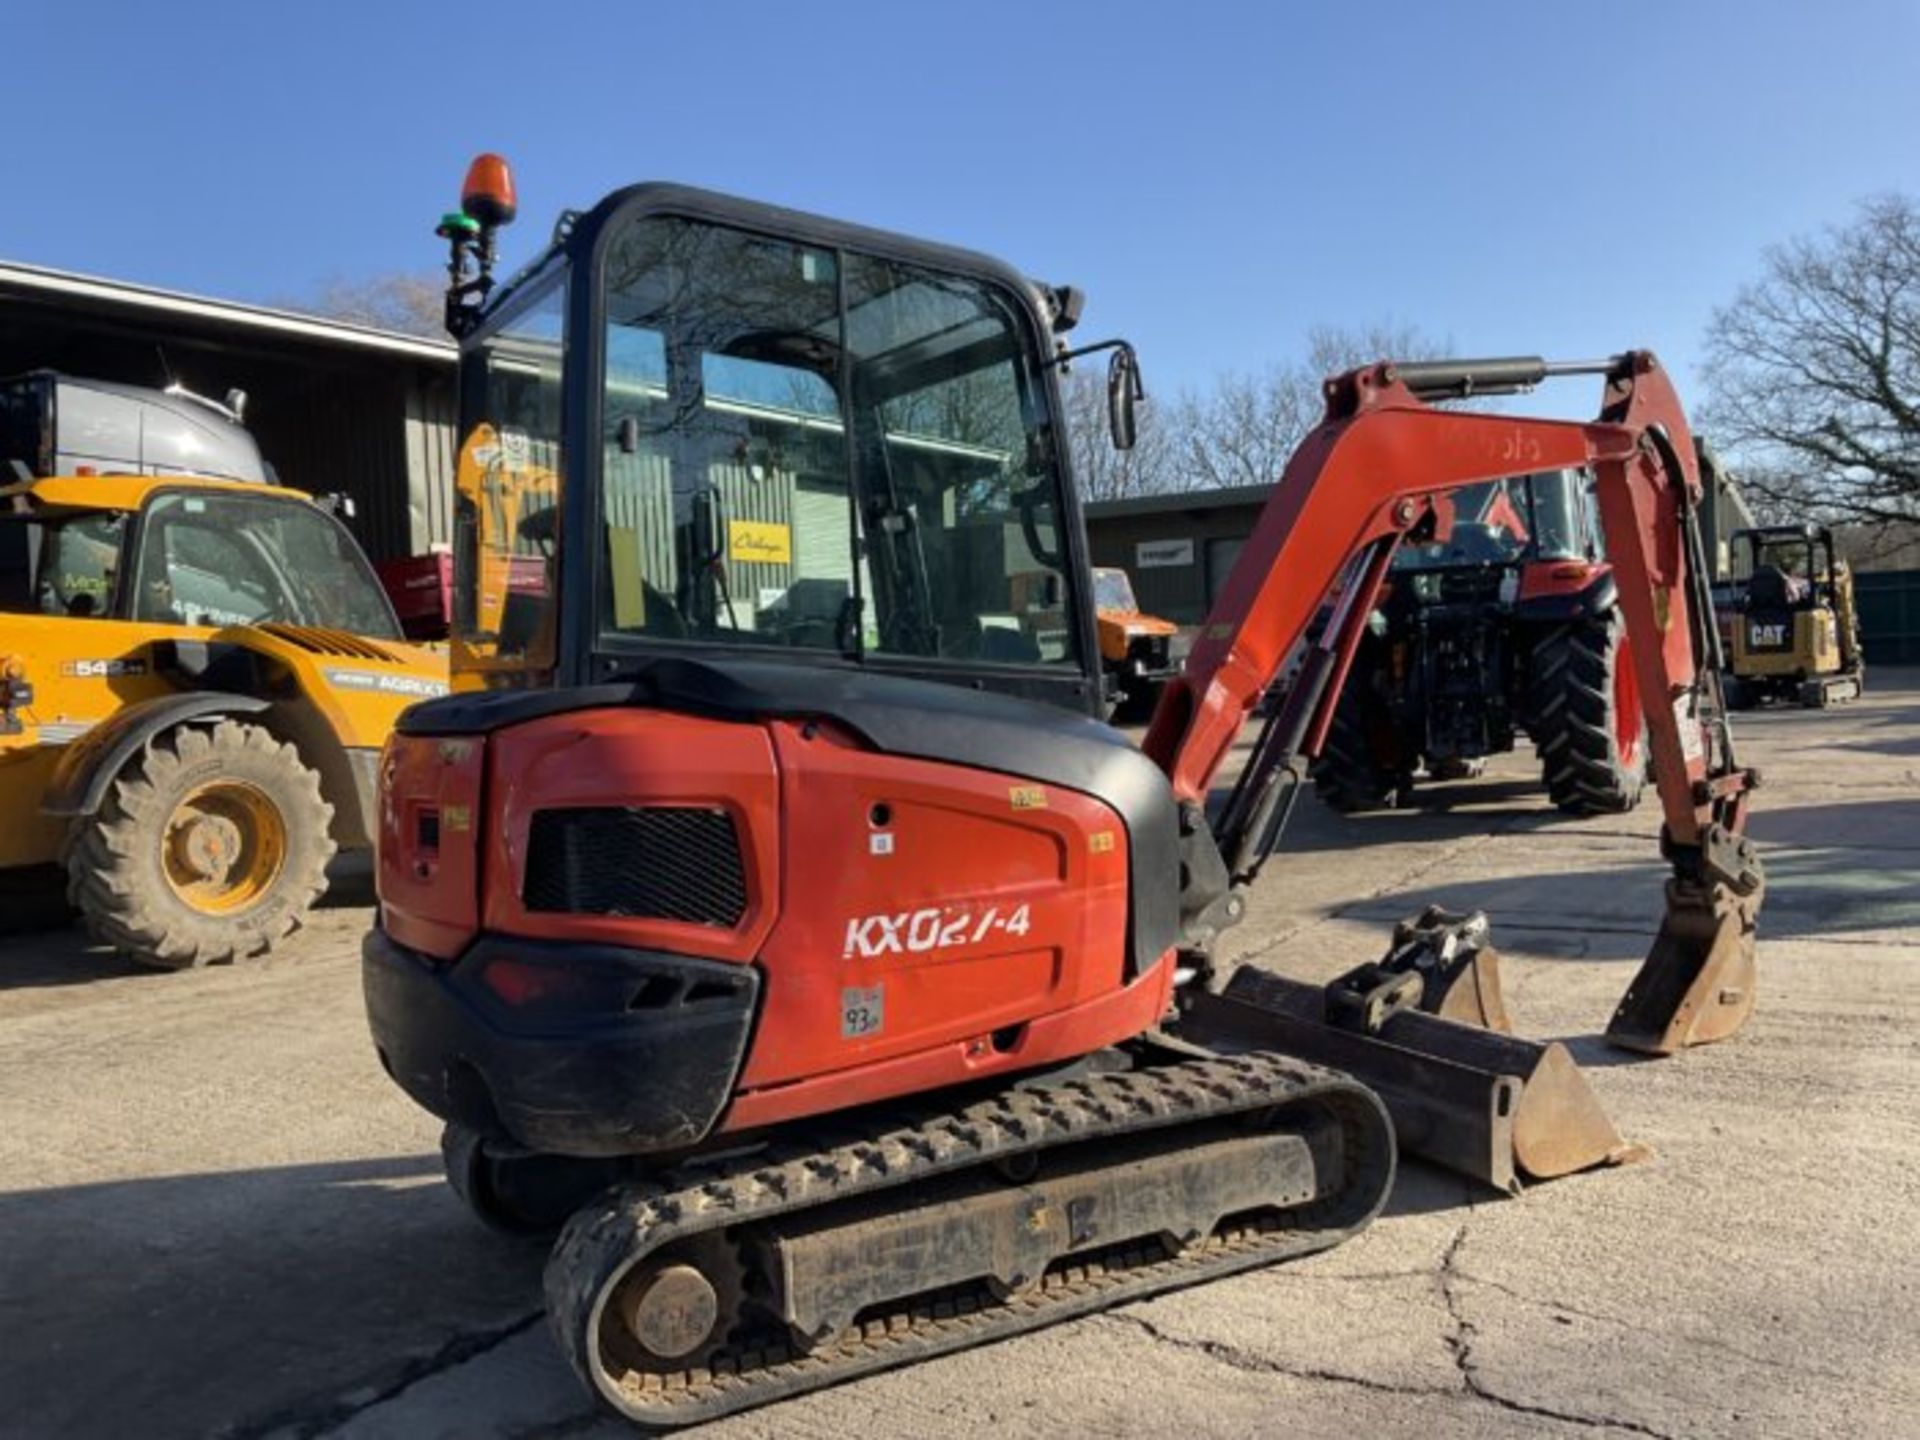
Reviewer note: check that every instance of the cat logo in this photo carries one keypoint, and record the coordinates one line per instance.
(1766, 636)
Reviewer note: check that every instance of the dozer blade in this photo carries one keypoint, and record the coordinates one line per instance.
(1492, 1106)
(1697, 983)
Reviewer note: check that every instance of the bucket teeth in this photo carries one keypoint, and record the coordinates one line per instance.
(1697, 983)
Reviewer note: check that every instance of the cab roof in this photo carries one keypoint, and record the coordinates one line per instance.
(128, 492)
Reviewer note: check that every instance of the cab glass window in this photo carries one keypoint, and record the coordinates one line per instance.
(230, 559)
(507, 490)
(808, 447)
(61, 567)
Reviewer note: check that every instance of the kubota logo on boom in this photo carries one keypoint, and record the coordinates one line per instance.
(935, 928)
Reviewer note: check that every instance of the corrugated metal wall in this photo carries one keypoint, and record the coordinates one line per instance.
(1889, 616)
(374, 424)
(1181, 593)
(640, 497)
(432, 412)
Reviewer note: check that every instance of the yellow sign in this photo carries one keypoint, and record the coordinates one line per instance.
(1027, 797)
(1101, 842)
(760, 542)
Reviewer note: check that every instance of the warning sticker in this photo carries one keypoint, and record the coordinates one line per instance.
(861, 1011)
(1692, 733)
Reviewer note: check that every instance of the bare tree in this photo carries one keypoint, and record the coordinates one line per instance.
(1814, 372)
(1243, 430)
(412, 302)
(1103, 472)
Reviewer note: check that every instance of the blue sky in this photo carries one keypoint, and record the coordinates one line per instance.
(1513, 177)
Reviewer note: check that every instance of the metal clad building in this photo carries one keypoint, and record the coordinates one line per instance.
(335, 407)
(1178, 548)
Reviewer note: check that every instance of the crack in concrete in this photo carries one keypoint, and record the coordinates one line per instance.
(314, 1418)
(1460, 1346)
(1708, 1342)
(1237, 1359)
(1289, 1275)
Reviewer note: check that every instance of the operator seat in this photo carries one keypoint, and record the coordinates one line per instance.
(1771, 588)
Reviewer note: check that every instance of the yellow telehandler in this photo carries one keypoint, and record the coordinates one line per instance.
(196, 678)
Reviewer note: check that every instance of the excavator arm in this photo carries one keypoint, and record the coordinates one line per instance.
(1370, 476)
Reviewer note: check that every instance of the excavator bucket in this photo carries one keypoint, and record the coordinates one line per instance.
(1464, 1094)
(1697, 983)
(1460, 968)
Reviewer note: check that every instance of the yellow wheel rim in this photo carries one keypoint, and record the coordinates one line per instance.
(225, 846)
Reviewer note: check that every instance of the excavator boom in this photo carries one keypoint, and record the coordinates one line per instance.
(1370, 476)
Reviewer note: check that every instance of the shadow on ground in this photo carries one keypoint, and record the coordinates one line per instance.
(134, 1285)
(63, 955)
(53, 948)
(1832, 871)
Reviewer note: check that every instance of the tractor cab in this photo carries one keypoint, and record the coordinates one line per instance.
(1483, 626)
(697, 424)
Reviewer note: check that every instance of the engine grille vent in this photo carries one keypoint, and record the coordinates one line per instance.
(329, 642)
(655, 862)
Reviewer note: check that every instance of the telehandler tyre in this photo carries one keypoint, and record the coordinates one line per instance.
(1587, 722)
(210, 847)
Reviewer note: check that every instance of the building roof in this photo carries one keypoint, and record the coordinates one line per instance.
(119, 295)
(1180, 502)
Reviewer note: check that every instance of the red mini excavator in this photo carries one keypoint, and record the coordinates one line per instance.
(770, 898)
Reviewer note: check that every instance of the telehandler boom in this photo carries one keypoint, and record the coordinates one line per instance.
(773, 882)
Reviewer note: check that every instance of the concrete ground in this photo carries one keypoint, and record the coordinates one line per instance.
(217, 1217)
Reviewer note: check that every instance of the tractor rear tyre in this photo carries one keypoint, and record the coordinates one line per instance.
(1588, 725)
(1346, 776)
(210, 846)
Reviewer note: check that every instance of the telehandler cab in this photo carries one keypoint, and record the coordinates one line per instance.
(779, 871)
(196, 677)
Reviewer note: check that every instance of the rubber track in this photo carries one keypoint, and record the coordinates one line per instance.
(600, 1244)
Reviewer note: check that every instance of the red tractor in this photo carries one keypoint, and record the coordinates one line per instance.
(1506, 623)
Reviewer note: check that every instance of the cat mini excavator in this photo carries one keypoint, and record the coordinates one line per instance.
(778, 873)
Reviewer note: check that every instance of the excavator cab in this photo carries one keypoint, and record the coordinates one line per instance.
(1796, 633)
(696, 425)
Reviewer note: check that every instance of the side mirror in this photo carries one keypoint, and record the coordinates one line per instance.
(1124, 392)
